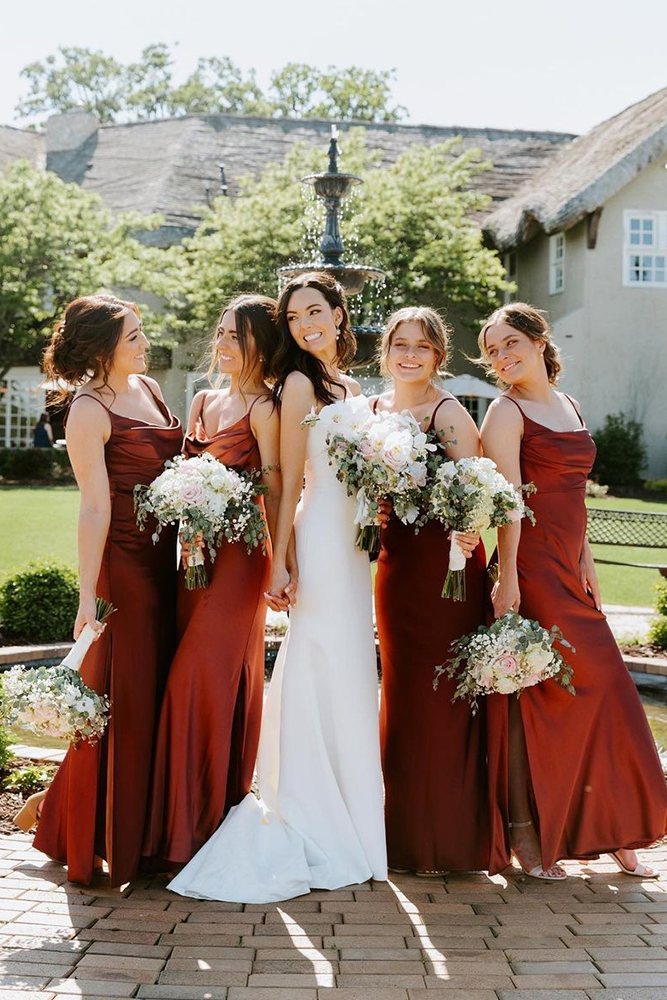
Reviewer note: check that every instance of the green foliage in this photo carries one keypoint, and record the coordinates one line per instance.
(58, 242)
(39, 603)
(28, 780)
(621, 453)
(44, 465)
(81, 78)
(658, 486)
(6, 752)
(661, 599)
(658, 633)
(413, 219)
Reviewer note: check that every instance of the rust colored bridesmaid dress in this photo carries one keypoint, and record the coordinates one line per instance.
(211, 713)
(433, 751)
(97, 802)
(597, 783)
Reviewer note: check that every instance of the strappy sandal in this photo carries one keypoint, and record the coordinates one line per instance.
(29, 813)
(430, 874)
(640, 871)
(538, 871)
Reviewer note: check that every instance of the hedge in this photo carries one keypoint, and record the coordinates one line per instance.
(48, 465)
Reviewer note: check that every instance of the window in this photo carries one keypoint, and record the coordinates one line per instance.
(512, 274)
(645, 249)
(556, 263)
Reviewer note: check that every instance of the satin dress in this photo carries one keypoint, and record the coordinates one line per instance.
(211, 714)
(597, 782)
(433, 750)
(96, 804)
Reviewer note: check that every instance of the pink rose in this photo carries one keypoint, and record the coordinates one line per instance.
(506, 664)
(192, 494)
(366, 448)
(395, 460)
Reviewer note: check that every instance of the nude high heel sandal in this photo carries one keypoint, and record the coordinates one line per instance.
(538, 871)
(29, 813)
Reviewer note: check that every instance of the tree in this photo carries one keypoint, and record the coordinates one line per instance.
(414, 219)
(58, 242)
(218, 86)
(74, 78)
(81, 78)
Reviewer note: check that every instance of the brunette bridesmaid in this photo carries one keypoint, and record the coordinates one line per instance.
(210, 722)
(433, 751)
(119, 433)
(570, 777)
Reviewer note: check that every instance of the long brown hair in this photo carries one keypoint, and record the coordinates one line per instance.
(256, 318)
(289, 357)
(434, 328)
(526, 319)
(83, 343)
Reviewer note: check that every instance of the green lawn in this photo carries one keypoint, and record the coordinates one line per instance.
(37, 523)
(40, 522)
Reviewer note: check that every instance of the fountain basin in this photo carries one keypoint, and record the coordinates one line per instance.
(331, 185)
(352, 277)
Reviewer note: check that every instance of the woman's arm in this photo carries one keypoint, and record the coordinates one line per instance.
(49, 432)
(297, 401)
(196, 410)
(88, 430)
(265, 424)
(502, 431)
(457, 433)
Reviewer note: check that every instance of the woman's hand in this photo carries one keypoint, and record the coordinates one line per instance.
(588, 575)
(385, 507)
(86, 616)
(506, 595)
(277, 596)
(293, 585)
(467, 541)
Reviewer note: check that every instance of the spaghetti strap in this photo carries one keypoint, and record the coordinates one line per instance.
(374, 404)
(255, 400)
(581, 419)
(447, 399)
(161, 405)
(503, 395)
(87, 395)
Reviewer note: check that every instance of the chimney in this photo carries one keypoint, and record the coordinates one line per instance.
(69, 131)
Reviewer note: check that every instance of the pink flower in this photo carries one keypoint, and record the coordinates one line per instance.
(366, 448)
(192, 494)
(506, 664)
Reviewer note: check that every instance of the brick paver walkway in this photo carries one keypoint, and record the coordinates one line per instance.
(464, 937)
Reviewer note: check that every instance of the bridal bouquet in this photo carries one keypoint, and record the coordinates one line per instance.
(382, 456)
(471, 495)
(54, 701)
(212, 503)
(504, 658)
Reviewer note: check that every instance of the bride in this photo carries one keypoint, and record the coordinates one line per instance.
(319, 821)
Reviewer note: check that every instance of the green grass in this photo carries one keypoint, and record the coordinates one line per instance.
(40, 522)
(37, 522)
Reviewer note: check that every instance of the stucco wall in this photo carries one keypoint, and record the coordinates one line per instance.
(613, 338)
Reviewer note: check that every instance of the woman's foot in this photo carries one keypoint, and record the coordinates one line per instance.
(526, 849)
(28, 815)
(398, 871)
(629, 863)
(426, 873)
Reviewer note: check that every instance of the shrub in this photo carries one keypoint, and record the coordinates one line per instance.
(621, 453)
(27, 780)
(49, 465)
(6, 752)
(658, 486)
(661, 599)
(658, 633)
(39, 604)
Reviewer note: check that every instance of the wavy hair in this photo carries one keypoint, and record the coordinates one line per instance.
(534, 324)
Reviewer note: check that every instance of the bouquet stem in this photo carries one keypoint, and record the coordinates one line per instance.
(196, 577)
(76, 655)
(455, 585)
(368, 539)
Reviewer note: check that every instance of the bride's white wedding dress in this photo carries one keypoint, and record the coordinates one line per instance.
(319, 823)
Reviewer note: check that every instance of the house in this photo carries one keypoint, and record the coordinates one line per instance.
(585, 238)
(174, 166)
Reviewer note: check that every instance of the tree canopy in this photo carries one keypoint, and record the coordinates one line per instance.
(77, 77)
(58, 242)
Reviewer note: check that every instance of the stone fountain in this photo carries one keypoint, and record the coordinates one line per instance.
(332, 188)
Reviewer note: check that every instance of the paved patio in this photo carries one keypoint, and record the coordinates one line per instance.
(462, 937)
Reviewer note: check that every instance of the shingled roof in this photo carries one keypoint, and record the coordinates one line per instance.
(172, 166)
(18, 144)
(583, 175)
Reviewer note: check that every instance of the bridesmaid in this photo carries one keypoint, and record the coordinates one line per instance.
(570, 777)
(433, 751)
(210, 721)
(119, 433)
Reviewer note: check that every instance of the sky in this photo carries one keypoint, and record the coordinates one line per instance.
(561, 65)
